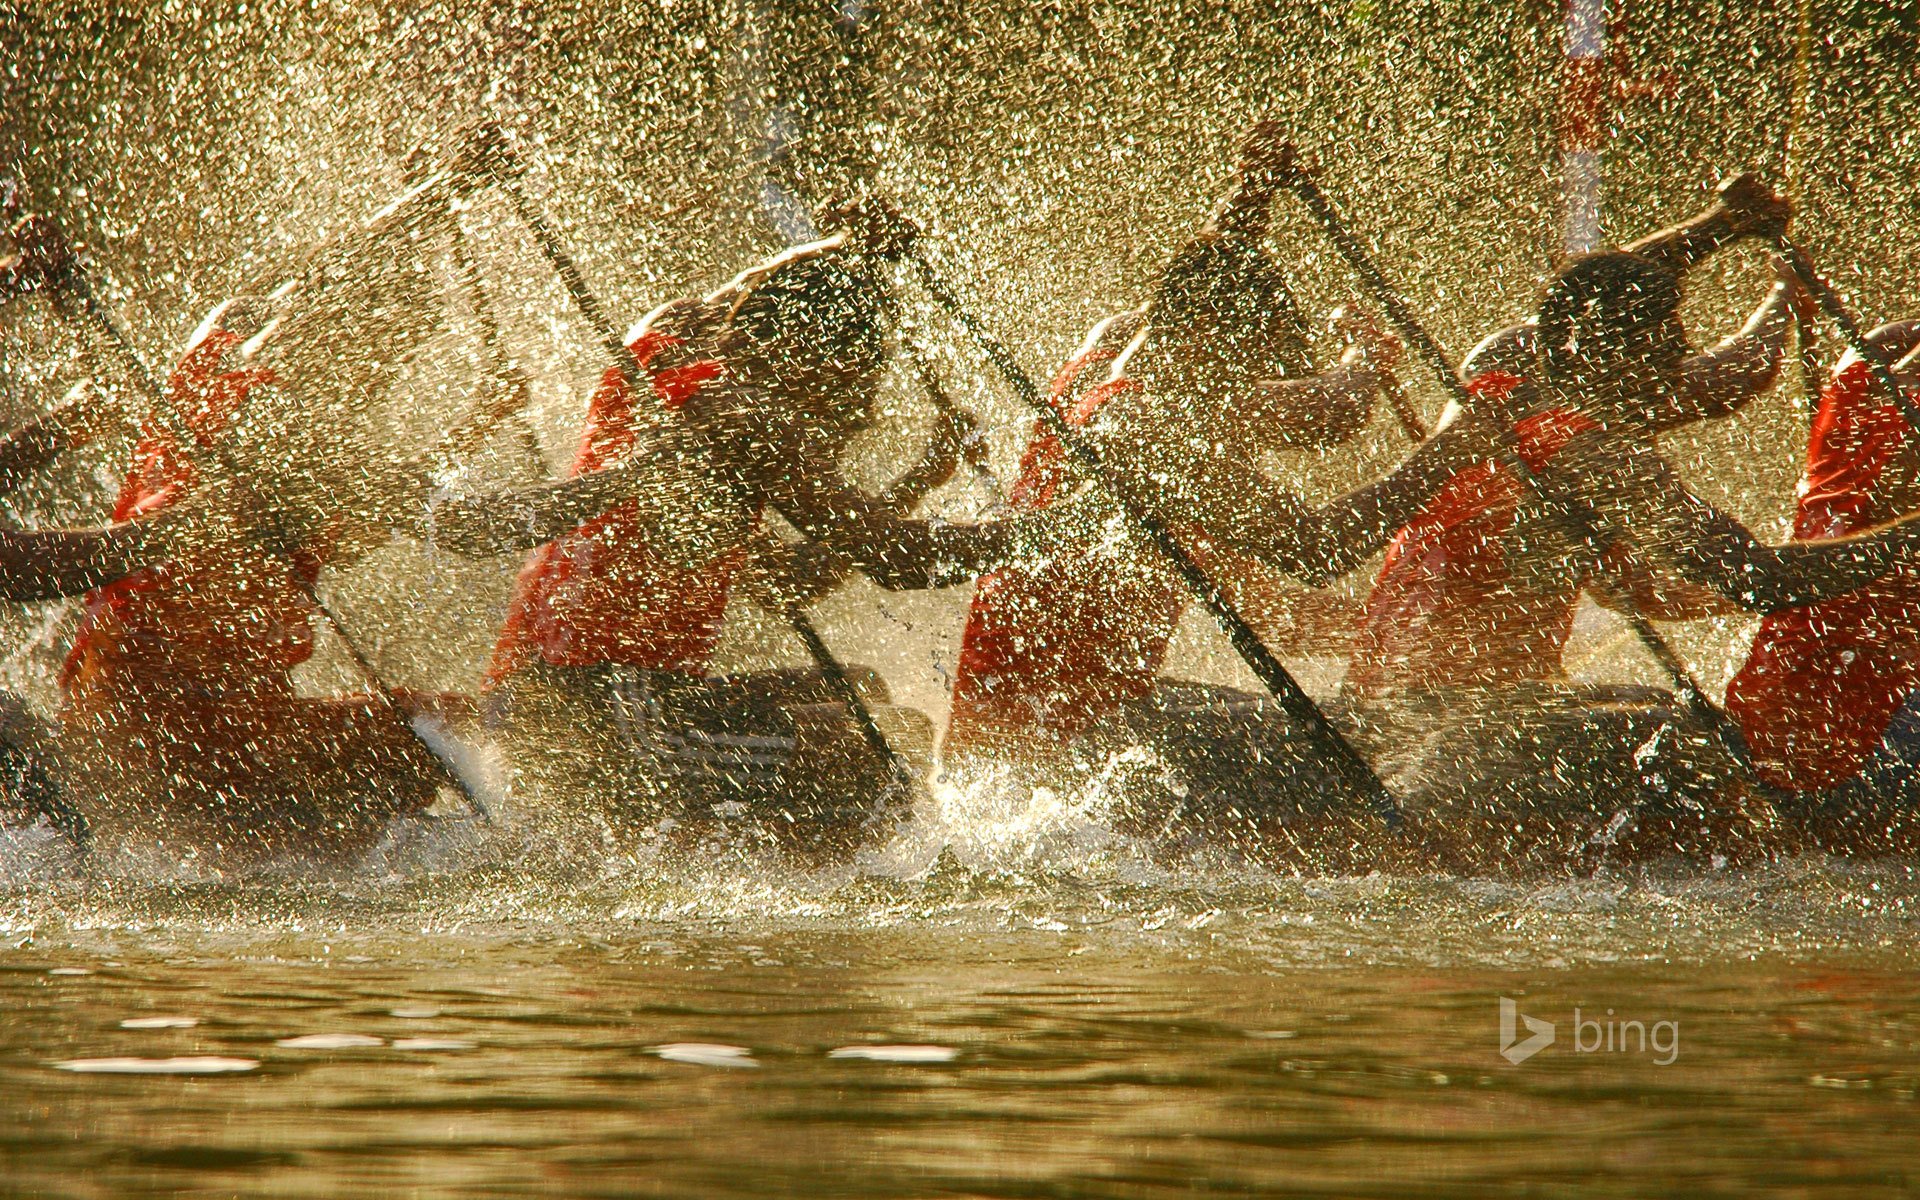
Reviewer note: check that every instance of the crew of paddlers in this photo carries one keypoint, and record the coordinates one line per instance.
(1459, 739)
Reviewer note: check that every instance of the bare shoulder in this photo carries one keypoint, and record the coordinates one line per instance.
(1112, 334)
(1510, 350)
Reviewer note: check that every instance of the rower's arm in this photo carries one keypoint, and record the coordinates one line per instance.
(1720, 380)
(1318, 545)
(795, 575)
(1745, 208)
(507, 522)
(1510, 351)
(1265, 158)
(74, 422)
(50, 564)
(1629, 584)
(1340, 535)
(1328, 409)
(29, 448)
(1636, 494)
(1679, 247)
(937, 464)
(1891, 343)
(896, 552)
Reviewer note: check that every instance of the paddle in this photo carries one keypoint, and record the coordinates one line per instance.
(496, 165)
(1830, 303)
(1357, 776)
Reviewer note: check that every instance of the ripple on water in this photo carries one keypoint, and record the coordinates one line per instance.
(331, 1041)
(159, 1022)
(897, 1054)
(706, 1054)
(433, 1045)
(191, 1065)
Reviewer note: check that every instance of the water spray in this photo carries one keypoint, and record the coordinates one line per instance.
(1362, 783)
(1799, 93)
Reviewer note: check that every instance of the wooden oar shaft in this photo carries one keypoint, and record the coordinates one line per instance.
(1358, 774)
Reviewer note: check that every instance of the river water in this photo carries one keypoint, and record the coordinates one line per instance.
(1020, 1023)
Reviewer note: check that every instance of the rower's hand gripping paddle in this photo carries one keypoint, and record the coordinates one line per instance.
(1849, 326)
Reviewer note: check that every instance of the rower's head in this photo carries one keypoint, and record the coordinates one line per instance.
(814, 326)
(1610, 329)
(1225, 316)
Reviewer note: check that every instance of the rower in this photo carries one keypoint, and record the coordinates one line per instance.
(600, 676)
(50, 564)
(1059, 666)
(1459, 662)
(41, 565)
(1829, 696)
(187, 728)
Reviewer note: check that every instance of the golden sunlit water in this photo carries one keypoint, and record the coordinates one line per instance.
(970, 1031)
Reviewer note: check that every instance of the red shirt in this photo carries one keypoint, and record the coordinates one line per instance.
(1445, 612)
(1822, 682)
(226, 612)
(599, 594)
(1051, 648)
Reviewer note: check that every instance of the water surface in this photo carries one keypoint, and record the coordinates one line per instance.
(968, 1030)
